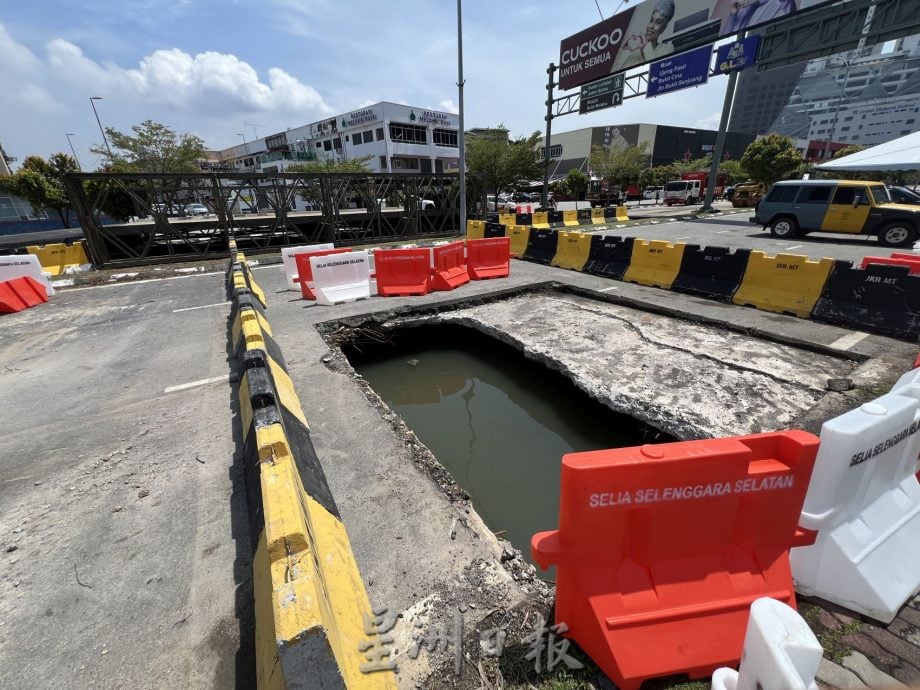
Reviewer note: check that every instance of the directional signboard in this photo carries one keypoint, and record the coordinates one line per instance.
(679, 72)
(601, 94)
(737, 56)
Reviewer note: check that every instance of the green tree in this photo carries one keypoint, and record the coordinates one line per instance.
(504, 165)
(577, 183)
(154, 147)
(693, 165)
(354, 165)
(734, 170)
(41, 183)
(620, 165)
(312, 190)
(771, 158)
(847, 150)
(657, 176)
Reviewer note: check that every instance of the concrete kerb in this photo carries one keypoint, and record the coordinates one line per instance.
(310, 601)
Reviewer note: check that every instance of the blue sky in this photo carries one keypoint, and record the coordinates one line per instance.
(217, 69)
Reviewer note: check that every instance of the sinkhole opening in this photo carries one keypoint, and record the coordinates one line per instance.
(497, 421)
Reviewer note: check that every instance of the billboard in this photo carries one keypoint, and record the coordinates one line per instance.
(655, 29)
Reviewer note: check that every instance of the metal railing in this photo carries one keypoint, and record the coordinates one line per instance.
(158, 216)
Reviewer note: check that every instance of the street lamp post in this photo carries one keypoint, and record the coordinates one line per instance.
(461, 143)
(77, 160)
(92, 100)
(843, 93)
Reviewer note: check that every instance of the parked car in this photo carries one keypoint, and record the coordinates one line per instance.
(855, 207)
(197, 210)
(653, 193)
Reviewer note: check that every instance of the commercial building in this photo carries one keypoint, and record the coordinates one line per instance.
(866, 96)
(393, 138)
(572, 150)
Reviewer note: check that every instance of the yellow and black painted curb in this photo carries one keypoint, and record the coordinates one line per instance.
(240, 280)
(310, 600)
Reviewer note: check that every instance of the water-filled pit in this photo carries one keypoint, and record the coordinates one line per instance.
(500, 391)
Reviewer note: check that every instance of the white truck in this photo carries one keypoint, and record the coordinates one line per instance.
(682, 192)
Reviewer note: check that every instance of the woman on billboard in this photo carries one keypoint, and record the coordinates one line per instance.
(646, 46)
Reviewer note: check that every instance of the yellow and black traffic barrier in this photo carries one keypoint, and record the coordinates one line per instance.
(310, 600)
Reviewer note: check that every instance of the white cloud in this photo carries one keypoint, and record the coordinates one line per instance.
(448, 106)
(210, 94)
(711, 122)
(15, 57)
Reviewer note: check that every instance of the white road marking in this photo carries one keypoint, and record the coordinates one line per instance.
(261, 266)
(795, 246)
(687, 237)
(608, 289)
(149, 280)
(723, 232)
(848, 341)
(203, 306)
(195, 384)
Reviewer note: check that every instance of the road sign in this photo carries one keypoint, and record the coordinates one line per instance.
(679, 72)
(737, 56)
(601, 94)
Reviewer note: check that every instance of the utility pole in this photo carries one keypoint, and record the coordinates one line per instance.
(720, 137)
(460, 135)
(549, 129)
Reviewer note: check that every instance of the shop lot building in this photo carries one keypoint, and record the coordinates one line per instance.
(393, 138)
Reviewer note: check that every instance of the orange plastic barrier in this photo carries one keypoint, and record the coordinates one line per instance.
(305, 271)
(913, 264)
(449, 267)
(21, 293)
(489, 258)
(661, 549)
(404, 271)
(904, 256)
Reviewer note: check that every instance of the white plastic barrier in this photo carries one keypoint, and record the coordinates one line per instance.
(864, 500)
(290, 265)
(911, 377)
(780, 652)
(341, 277)
(18, 265)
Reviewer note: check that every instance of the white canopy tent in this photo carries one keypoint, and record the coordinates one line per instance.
(900, 154)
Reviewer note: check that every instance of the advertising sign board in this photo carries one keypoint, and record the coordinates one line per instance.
(655, 29)
(679, 72)
(737, 56)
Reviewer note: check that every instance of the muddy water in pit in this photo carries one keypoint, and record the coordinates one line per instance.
(499, 423)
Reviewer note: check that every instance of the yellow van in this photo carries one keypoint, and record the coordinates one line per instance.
(854, 207)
